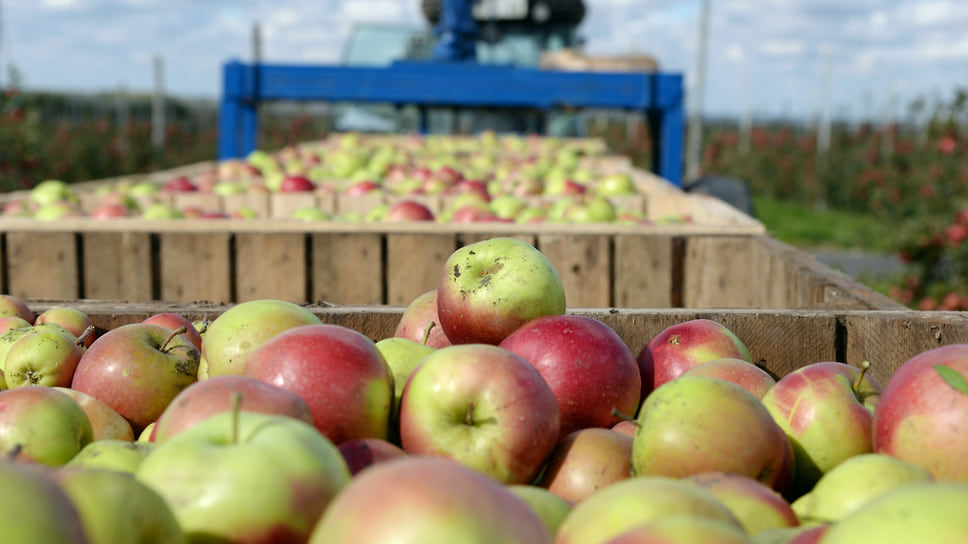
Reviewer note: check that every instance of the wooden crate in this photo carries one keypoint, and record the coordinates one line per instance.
(660, 266)
(779, 340)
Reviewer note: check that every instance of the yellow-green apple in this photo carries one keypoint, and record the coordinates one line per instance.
(757, 506)
(173, 321)
(115, 507)
(246, 477)
(47, 355)
(75, 321)
(106, 422)
(34, 509)
(922, 414)
(112, 454)
(137, 369)
(12, 305)
(588, 209)
(826, 410)
(854, 483)
(586, 461)
(205, 398)
(684, 345)
(590, 369)
(402, 356)
(551, 508)
(482, 406)
(420, 323)
(360, 453)
(9, 322)
(42, 425)
(683, 529)
(235, 333)
(913, 512)
(741, 372)
(635, 502)
(338, 371)
(799, 534)
(424, 499)
(490, 288)
(696, 424)
(617, 183)
(50, 191)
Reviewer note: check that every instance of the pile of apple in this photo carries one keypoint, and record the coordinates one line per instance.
(491, 415)
(492, 181)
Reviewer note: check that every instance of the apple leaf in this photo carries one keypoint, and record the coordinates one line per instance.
(953, 377)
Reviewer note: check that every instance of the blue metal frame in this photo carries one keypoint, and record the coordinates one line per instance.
(425, 84)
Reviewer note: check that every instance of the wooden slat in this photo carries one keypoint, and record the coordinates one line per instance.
(271, 266)
(205, 202)
(415, 263)
(256, 201)
(118, 266)
(347, 268)
(361, 204)
(283, 204)
(467, 238)
(643, 275)
(584, 263)
(195, 266)
(42, 264)
(719, 272)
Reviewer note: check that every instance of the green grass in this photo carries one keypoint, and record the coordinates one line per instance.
(806, 227)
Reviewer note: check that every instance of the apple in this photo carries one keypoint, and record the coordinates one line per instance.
(854, 483)
(11, 305)
(419, 322)
(550, 508)
(626, 427)
(472, 213)
(246, 477)
(922, 414)
(33, 508)
(588, 209)
(42, 425)
(51, 191)
(235, 333)
(47, 355)
(826, 410)
(490, 288)
(115, 507)
(361, 453)
(109, 210)
(590, 369)
(402, 356)
(338, 371)
(205, 398)
(137, 369)
(684, 345)
(72, 319)
(507, 206)
(757, 506)
(408, 210)
(112, 454)
(173, 321)
(914, 512)
(586, 461)
(636, 502)
(422, 499)
(106, 422)
(361, 188)
(618, 183)
(179, 184)
(295, 183)
(9, 322)
(310, 213)
(696, 424)
(683, 529)
(748, 376)
(482, 406)
(160, 210)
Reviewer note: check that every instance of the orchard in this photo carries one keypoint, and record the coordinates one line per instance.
(492, 414)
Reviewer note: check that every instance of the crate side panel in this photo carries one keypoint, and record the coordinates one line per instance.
(718, 272)
(271, 266)
(118, 266)
(42, 265)
(584, 263)
(643, 271)
(195, 266)
(414, 264)
(347, 268)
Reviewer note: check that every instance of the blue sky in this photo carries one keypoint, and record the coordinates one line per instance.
(765, 56)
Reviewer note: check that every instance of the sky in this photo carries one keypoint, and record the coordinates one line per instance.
(861, 58)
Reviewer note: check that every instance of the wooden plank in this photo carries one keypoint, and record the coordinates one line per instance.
(584, 263)
(195, 266)
(282, 205)
(643, 274)
(271, 266)
(118, 266)
(347, 268)
(197, 201)
(467, 238)
(257, 201)
(43, 265)
(718, 272)
(359, 204)
(414, 264)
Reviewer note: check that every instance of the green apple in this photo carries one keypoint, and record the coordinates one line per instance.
(46, 356)
(15, 306)
(244, 476)
(402, 356)
(51, 191)
(112, 454)
(56, 210)
(490, 288)
(75, 321)
(237, 332)
(106, 422)
(551, 508)
(34, 509)
(638, 501)
(854, 483)
(144, 188)
(507, 206)
(160, 210)
(310, 213)
(684, 529)
(115, 507)
(757, 506)
(619, 183)
(43, 425)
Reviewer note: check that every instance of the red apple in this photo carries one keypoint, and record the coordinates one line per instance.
(75, 321)
(109, 210)
(173, 322)
(361, 453)
(743, 373)
(586, 461)
(9, 322)
(106, 422)
(339, 372)
(361, 188)
(11, 305)
(419, 316)
(179, 184)
(296, 183)
(591, 371)
(756, 506)
(409, 210)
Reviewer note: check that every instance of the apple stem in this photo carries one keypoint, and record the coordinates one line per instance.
(204, 325)
(236, 408)
(860, 376)
(469, 418)
(174, 333)
(624, 417)
(83, 337)
(14, 452)
(426, 335)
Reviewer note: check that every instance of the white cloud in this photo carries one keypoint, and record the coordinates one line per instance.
(783, 48)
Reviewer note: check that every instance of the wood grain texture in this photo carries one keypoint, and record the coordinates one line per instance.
(118, 266)
(414, 264)
(719, 272)
(195, 267)
(585, 265)
(643, 271)
(271, 266)
(347, 268)
(43, 264)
